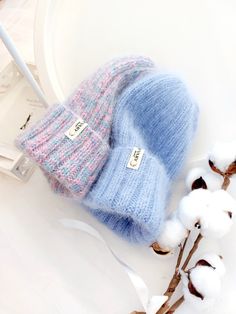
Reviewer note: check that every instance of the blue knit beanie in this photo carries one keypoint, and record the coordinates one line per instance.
(167, 115)
(153, 125)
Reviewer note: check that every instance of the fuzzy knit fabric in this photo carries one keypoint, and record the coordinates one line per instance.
(158, 115)
(72, 165)
(165, 111)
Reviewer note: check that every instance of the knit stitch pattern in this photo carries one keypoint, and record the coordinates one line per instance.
(71, 166)
(158, 115)
(167, 114)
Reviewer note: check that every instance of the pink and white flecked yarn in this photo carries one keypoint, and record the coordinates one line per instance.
(72, 166)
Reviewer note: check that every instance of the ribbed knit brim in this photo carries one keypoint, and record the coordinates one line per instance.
(75, 163)
(131, 202)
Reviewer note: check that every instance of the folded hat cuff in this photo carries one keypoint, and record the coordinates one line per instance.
(131, 201)
(66, 148)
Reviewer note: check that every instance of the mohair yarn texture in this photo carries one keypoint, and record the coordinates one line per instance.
(158, 115)
(71, 166)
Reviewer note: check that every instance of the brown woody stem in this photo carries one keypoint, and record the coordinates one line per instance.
(225, 183)
(177, 277)
(174, 280)
(187, 260)
(192, 251)
(175, 305)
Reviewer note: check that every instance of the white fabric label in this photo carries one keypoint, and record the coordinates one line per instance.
(135, 158)
(76, 129)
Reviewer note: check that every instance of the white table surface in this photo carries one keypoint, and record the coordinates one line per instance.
(46, 269)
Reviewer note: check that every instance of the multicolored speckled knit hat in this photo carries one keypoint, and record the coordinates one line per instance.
(71, 143)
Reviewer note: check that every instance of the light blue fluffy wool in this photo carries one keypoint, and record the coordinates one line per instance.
(158, 115)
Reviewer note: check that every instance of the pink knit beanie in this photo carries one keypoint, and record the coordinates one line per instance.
(71, 142)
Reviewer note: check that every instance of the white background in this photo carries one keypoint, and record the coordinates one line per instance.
(47, 269)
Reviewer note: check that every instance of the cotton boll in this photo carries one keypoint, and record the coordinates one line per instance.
(223, 154)
(201, 196)
(215, 261)
(208, 179)
(202, 283)
(158, 249)
(216, 220)
(197, 303)
(172, 234)
(192, 207)
(193, 175)
(193, 301)
(215, 223)
(206, 281)
(213, 180)
(212, 210)
(223, 201)
(189, 216)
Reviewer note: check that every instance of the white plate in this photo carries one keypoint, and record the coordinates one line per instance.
(71, 272)
(190, 38)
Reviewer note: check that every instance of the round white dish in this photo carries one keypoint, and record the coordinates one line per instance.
(191, 39)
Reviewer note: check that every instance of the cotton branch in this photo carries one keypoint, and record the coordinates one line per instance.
(175, 305)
